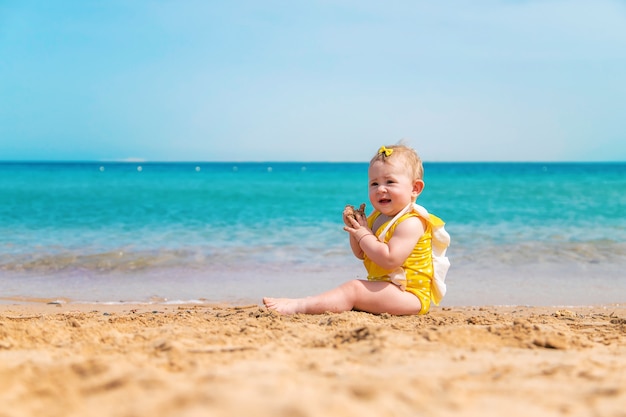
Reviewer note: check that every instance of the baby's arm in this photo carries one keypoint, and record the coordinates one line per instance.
(392, 254)
(350, 214)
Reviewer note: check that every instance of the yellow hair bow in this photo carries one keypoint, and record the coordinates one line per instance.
(385, 151)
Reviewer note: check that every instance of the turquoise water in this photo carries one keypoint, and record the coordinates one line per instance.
(522, 233)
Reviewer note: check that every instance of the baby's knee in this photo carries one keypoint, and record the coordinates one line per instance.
(352, 287)
(353, 283)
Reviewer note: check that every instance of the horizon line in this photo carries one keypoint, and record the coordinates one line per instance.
(146, 161)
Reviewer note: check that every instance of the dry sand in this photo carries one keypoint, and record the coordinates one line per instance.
(199, 360)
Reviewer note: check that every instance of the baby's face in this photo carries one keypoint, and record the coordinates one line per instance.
(391, 187)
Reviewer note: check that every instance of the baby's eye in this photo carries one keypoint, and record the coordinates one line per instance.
(373, 184)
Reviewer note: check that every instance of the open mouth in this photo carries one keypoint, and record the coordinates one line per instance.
(384, 201)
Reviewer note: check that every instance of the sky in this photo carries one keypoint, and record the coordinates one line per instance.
(317, 80)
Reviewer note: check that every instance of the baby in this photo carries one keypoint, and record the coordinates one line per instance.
(395, 243)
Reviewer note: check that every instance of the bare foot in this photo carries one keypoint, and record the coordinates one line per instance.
(284, 305)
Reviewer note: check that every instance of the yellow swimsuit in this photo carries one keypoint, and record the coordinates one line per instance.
(417, 273)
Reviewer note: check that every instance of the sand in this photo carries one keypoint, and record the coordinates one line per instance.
(205, 360)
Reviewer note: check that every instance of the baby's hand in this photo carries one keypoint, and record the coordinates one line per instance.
(351, 214)
(356, 222)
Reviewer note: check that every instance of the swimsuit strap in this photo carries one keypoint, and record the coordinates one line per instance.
(381, 235)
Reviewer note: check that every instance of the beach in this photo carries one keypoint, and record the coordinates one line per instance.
(66, 359)
(136, 292)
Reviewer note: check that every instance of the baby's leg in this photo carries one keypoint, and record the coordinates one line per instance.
(336, 300)
(370, 296)
(285, 305)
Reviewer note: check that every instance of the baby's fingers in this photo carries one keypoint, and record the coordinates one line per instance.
(355, 223)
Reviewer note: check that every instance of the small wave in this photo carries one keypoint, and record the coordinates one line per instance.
(544, 252)
(115, 261)
(125, 260)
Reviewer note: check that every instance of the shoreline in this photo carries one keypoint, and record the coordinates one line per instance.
(227, 360)
(468, 285)
(62, 305)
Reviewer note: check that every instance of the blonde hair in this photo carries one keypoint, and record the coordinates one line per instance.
(407, 155)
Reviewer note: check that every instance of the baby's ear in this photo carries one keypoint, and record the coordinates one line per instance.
(418, 187)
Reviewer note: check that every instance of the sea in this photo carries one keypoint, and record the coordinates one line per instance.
(532, 234)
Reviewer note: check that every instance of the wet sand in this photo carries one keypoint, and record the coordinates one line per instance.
(200, 360)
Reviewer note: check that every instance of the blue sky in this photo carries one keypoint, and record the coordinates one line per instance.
(312, 80)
